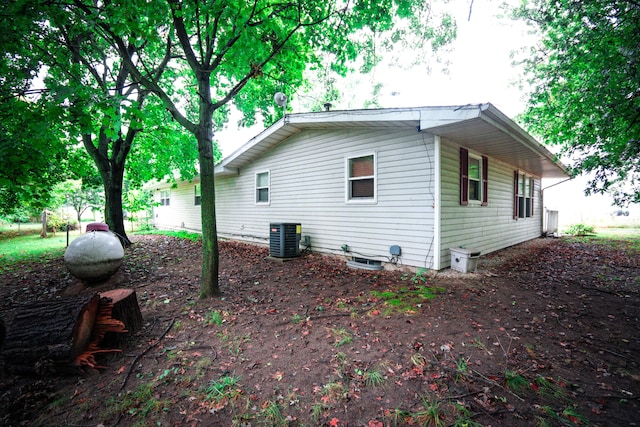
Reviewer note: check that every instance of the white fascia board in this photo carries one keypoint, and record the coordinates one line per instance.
(500, 121)
(355, 116)
(443, 116)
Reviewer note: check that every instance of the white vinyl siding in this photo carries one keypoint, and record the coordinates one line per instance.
(485, 228)
(182, 214)
(308, 178)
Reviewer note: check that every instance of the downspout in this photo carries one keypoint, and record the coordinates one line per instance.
(436, 203)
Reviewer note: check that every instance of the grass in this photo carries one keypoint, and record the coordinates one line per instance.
(180, 234)
(406, 300)
(515, 381)
(233, 343)
(141, 402)
(214, 317)
(218, 393)
(29, 246)
(374, 378)
(627, 239)
(341, 336)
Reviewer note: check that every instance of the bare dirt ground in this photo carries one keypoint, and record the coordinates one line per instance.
(545, 333)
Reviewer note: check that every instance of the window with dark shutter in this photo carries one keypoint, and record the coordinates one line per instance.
(474, 178)
(485, 181)
(464, 176)
(515, 195)
(523, 195)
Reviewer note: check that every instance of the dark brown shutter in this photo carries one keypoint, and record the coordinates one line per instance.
(515, 194)
(485, 181)
(532, 193)
(464, 176)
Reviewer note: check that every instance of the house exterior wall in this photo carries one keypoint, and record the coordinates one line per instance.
(308, 185)
(485, 228)
(182, 213)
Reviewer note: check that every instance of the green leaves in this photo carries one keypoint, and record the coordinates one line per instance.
(586, 96)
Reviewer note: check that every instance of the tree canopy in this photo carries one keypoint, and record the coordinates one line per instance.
(244, 51)
(82, 100)
(113, 66)
(32, 155)
(585, 77)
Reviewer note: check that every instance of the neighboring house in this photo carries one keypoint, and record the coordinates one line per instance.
(425, 179)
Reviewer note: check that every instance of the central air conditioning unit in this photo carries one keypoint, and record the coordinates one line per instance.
(284, 240)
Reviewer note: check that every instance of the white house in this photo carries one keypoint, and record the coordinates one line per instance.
(424, 179)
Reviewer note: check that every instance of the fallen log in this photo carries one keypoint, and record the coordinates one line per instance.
(66, 334)
(2, 333)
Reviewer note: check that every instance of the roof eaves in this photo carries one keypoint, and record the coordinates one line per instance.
(496, 118)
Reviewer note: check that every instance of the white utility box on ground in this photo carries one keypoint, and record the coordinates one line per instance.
(464, 260)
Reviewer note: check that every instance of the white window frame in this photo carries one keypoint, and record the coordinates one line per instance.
(165, 197)
(348, 180)
(477, 201)
(258, 188)
(197, 195)
(528, 207)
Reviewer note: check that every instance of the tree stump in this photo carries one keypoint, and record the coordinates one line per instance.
(124, 308)
(65, 335)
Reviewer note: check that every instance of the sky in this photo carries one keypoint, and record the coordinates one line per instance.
(480, 70)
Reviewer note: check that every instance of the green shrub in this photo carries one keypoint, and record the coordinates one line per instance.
(580, 230)
(57, 222)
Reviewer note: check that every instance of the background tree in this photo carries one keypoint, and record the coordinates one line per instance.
(32, 155)
(245, 51)
(80, 196)
(138, 200)
(90, 95)
(585, 78)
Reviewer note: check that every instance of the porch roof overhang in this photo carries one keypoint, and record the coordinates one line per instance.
(482, 128)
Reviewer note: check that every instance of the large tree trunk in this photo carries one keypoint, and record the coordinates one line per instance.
(65, 335)
(204, 133)
(113, 203)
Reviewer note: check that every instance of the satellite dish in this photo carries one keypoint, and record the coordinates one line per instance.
(280, 99)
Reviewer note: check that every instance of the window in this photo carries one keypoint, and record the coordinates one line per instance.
(361, 179)
(262, 187)
(474, 178)
(523, 195)
(164, 197)
(197, 195)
